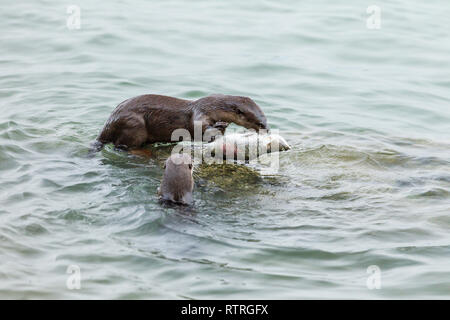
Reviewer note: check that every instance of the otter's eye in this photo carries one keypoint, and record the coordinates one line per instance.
(239, 111)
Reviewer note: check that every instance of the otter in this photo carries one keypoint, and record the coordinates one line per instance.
(152, 118)
(177, 183)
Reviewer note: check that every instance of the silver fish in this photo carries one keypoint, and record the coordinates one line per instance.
(245, 146)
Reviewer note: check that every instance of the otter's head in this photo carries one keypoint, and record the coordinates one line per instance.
(177, 183)
(242, 111)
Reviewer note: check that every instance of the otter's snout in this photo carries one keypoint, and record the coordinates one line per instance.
(261, 124)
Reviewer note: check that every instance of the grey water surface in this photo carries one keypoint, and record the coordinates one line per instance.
(366, 183)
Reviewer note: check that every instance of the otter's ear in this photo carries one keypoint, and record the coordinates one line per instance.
(164, 165)
(190, 166)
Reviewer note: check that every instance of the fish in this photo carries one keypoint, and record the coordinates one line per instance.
(245, 146)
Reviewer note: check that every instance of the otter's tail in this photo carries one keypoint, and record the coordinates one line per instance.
(96, 146)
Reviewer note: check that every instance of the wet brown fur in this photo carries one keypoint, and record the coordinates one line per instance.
(152, 118)
(177, 183)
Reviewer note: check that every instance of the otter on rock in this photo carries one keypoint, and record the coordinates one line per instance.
(152, 118)
(177, 183)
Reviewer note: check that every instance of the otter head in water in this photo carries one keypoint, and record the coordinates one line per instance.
(177, 183)
(242, 111)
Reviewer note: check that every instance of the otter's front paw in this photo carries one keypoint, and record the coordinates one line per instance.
(217, 129)
(221, 126)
